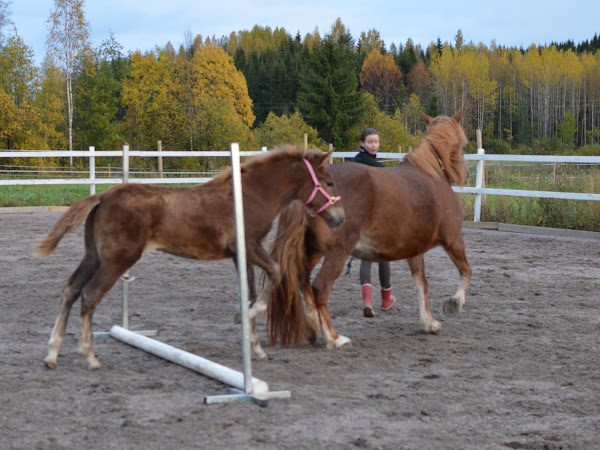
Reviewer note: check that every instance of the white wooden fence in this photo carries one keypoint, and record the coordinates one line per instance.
(478, 190)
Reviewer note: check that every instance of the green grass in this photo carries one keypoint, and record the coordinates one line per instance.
(56, 195)
(567, 214)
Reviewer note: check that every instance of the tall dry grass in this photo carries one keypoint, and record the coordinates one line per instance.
(555, 213)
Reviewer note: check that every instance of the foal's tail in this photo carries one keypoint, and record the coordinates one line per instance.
(286, 320)
(69, 220)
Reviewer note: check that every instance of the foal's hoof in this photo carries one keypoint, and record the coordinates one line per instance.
(260, 355)
(451, 307)
(50, 364)
(93, 363)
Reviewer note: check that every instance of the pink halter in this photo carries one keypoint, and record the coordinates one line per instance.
(317, 188)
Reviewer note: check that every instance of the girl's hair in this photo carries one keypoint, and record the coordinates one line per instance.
(367, 132)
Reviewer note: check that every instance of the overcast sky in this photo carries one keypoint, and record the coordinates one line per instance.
(145, 24)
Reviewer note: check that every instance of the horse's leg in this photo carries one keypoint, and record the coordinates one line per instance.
(456, 251)
(103, 280)
(70, 294)
(333, 265)
(312, 313)
(417, 268)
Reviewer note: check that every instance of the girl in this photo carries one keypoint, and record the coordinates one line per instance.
(369, 144)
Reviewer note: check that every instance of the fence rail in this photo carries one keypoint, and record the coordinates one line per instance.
(479, 190)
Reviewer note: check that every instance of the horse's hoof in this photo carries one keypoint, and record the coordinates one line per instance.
(50, 364)
(451, 307)
(94, 364)
(434, 328)
(343, 342)
(260, 355)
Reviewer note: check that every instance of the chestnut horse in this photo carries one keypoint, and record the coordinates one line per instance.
(195, 222)
(391, 214)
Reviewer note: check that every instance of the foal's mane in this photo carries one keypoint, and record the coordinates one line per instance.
(440, 152)
(268, 158)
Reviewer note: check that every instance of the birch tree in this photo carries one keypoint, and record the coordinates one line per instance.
(67, 41)
(4, 17)
(482, 89)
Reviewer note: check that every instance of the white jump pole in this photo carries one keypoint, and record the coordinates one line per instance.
(188, 360)
(125, 277)
(240, 250)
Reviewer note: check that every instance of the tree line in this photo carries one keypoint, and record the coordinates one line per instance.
(265, 86)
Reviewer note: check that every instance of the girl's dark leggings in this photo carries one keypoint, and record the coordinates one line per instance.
(384, 274)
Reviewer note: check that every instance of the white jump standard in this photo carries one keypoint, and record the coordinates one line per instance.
(244, 386)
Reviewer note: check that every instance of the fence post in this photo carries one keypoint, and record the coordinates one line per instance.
(92, 171)
(480, 145)
(264, 149)
(305, 140)
(160, 161)
(478, 185)
(125, 164)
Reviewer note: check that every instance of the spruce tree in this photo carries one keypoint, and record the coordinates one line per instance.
(329, 99)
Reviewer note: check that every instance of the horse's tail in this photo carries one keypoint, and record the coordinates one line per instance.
(286, 320)
(69, 220)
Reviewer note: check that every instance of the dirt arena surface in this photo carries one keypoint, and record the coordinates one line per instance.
(519, 368)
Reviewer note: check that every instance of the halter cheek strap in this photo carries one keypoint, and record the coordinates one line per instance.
(318, 188)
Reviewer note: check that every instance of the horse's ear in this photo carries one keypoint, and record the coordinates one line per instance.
(326, 158)
(426, 118)
(458, 115)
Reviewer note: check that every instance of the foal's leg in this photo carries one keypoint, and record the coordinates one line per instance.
(251, 284)
(70, 294)
(104, 279)
(237, 318)
(456, 251)
(258, 256)
(333, 264)
(417, 269)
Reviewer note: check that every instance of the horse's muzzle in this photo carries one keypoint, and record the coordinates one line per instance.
(335, 217)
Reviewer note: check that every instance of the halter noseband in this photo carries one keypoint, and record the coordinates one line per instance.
(318, 188)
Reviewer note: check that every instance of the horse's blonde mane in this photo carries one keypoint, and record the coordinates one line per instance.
(440, 152)
(270, 157)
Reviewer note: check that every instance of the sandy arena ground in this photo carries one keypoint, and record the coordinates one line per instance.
(519, 368)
